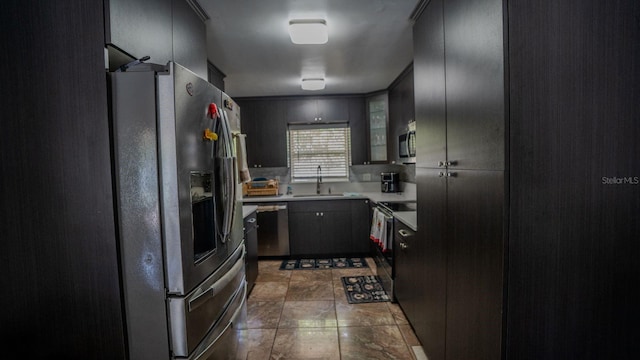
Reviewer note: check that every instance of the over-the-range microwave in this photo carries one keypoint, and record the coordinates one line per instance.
(407, 147)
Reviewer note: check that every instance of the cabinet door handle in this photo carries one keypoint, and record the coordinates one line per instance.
(317, 214)
(451, 174)
(403, 233)
(321, 214)
(451, 163)
(441, 164)
(252, 220)
(441, 174)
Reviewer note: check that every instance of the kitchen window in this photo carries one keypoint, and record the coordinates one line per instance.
(327, 145)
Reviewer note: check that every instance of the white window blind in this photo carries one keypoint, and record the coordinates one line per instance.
(327, 145)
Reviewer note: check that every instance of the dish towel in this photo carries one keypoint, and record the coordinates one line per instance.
(385, 227)
(241, 151)
(380, 230)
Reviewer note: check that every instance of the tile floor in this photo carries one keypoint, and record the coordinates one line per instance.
(304, 314)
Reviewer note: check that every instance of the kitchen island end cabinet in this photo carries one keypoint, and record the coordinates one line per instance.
(328, 227)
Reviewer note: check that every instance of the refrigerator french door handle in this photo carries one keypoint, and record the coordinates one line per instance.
(229, 176)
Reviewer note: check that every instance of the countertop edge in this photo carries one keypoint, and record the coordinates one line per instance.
(408, 218)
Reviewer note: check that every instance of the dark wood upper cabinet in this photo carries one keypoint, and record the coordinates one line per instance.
(429, 87)
(148, 35)
(316, 110)
(189, 39)
(265, 121)
(358, 126)
(401, 111)
(301, 111)
(475, 96)
(164, 30)
(333, 109)
(265, 126)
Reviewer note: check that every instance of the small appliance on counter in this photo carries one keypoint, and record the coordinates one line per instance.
(390, 182)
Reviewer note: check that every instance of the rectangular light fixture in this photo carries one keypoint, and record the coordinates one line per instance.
(312, 84)
(310, 31)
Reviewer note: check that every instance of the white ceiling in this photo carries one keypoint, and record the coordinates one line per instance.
(370, 43)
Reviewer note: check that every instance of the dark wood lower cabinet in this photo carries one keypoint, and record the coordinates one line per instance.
(327, 227)
(427, 307)
(449, 280)
(475, 248)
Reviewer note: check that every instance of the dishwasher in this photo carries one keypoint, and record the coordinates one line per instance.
(273, 229)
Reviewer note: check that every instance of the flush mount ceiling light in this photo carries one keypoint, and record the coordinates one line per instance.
(312, 84)
(308, 31)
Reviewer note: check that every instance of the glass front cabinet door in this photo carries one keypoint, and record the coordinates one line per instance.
(377, 113)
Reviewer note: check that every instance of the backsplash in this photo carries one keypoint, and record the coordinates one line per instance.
(357, 173)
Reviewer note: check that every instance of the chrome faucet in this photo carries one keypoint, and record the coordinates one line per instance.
(318, 179)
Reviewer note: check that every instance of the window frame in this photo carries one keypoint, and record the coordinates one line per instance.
(310, 176)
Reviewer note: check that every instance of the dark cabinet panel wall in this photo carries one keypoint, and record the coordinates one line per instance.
(58, 249)
(573, 237)
(189, 39)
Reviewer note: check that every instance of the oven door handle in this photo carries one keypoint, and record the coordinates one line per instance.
(403, 233)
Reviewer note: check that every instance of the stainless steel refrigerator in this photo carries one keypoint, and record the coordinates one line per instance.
(179, 217)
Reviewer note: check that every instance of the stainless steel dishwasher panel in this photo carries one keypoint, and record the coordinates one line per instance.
(273, 229)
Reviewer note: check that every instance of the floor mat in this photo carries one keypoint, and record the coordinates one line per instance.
(324, 263)
(364, 289)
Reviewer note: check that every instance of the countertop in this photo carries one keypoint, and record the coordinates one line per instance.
(376, 197)
(408, 218)
(248, 209)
